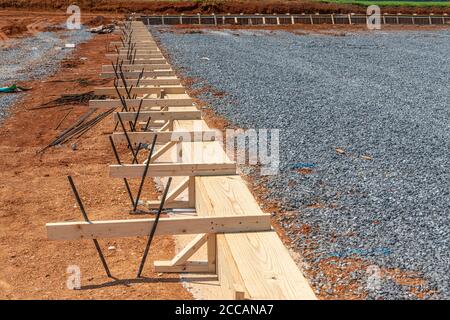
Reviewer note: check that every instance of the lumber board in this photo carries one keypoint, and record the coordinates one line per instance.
(166, 226)
(188, 266)
(163, 136)
(195, 152)
(264, 267)
(153, 82)
(172, 170)
(191, 248)
(160, 115)
(134, 103)
(138, 50)
(161, 150)
(146, 61)
(138, 68)
(114, 56)
(111, 91)
(140, 44)
(178, 190)
(173, 204)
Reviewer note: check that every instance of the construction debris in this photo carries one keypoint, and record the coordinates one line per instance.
(72, 99)
(103, 29)
(13, 89)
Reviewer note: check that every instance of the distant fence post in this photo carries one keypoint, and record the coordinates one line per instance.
(349, 19)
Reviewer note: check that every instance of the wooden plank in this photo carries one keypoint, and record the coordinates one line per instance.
(172, 170)
(212, 252)
(156, 73)
(174, 204)
(114, 56)
(141, 44)
(227, 270)
(139, 91)
(178, 190)
(163, 136)
(111, 103)
(155, 60)
(189, 266)
(263, 266)
(160, 115)
(139, 50)
(166, 226)
(189, 250)
(153, 82)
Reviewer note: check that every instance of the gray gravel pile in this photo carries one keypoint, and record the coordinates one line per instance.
(34, 58)
(384, 100)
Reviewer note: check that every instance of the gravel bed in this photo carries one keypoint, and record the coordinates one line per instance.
(33, 58)
(383, 100)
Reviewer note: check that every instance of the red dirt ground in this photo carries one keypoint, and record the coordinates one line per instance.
(34, 191)
(211, 6)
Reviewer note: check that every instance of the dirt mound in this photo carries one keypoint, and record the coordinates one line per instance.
(211, 6)
(14, 30)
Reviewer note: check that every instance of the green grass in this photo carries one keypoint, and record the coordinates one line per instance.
(394, 3)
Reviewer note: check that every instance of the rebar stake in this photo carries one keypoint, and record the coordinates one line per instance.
(85, 216)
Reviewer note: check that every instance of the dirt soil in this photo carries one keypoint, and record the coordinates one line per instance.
(208, 6)
(327, 267)
(34, 191)
(34, 188)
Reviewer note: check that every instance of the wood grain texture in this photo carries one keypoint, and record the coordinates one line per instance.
(160, 115)
(166, 226)
(172, 170)
(163, 137)
(108, 91)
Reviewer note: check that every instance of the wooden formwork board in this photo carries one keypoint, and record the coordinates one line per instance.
(138, 67)
(260, 263)
(155, 81)
(148, 55)
(247, 255)
(135, 103)
(139, 91)
(172, 170)
(160, 115)
(255, 265)
(163, 137)
(136, 74)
